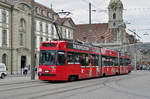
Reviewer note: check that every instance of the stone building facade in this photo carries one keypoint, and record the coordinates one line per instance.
(15, 31)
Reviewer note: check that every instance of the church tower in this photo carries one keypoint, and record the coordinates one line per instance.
(115, 13)
(116, 23)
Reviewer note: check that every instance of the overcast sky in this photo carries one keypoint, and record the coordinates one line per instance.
(136, 12)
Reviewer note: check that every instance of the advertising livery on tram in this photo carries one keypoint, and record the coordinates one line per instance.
(67, 61)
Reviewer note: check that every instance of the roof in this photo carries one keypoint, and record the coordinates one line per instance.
(13, 2)
(62, 20)
(10, 2)
(100, 33)
(41, 6)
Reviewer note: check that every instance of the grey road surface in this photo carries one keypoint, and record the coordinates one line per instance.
(135, 85)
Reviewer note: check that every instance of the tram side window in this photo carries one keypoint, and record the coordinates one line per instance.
(104, 61)
(61, 58)
(108, 61)
(70, 58)
(121, 61)
(77, 58)
(95, 59)
(111, 62)
(124, 62)
(84, 60)
(127, 62)
(116, 61)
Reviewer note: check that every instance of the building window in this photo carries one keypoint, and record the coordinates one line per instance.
(4, 37)
(36, 9)
(52, 30)
(65, 34)
(41, 27)
(4, 59)
(21, 39)
(102, 38)
(23, 25)
(46, 28)
(4, 17)
(46, 39)
(114, 24)
(114, 16)
(42, 12)
(69, 35)
(84, 38)
(35, 40)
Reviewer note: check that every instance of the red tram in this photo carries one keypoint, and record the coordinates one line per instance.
(65, 60)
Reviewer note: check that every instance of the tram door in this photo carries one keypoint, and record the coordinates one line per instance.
(100, 63)
(118, 64)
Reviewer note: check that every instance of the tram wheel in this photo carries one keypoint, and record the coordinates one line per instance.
(72, 78)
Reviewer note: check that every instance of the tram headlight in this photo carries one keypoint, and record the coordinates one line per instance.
(40, 70)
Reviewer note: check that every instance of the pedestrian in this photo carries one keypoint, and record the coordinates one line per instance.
(35, 69)
(25, 71)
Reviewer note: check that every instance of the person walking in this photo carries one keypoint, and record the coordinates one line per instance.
(25, 71)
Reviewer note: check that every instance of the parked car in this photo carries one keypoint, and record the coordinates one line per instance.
(148, 67)
(3, 71)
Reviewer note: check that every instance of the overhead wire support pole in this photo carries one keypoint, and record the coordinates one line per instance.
(90, 25)
(134, 47)
(32, 43)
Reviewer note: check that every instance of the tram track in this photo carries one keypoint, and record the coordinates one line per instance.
(71, 87)
(91, 84)
(53, 91)
(60, 91)
(95, 84)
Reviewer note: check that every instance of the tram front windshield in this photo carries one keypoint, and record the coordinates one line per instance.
(47, 57)
(51, 57)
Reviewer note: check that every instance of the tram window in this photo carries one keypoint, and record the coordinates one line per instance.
(127, 62)
(95, 59)
(70, 58)
(124, 62)
(87, 61)
(121, 61)
(84, 60)
(116, 61)
(61, 58)
(76, 58)
(104, 61)
(47, 57)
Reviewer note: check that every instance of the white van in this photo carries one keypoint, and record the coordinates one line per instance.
(3, 70)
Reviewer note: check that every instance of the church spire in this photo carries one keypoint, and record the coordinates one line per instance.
(115, 3)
